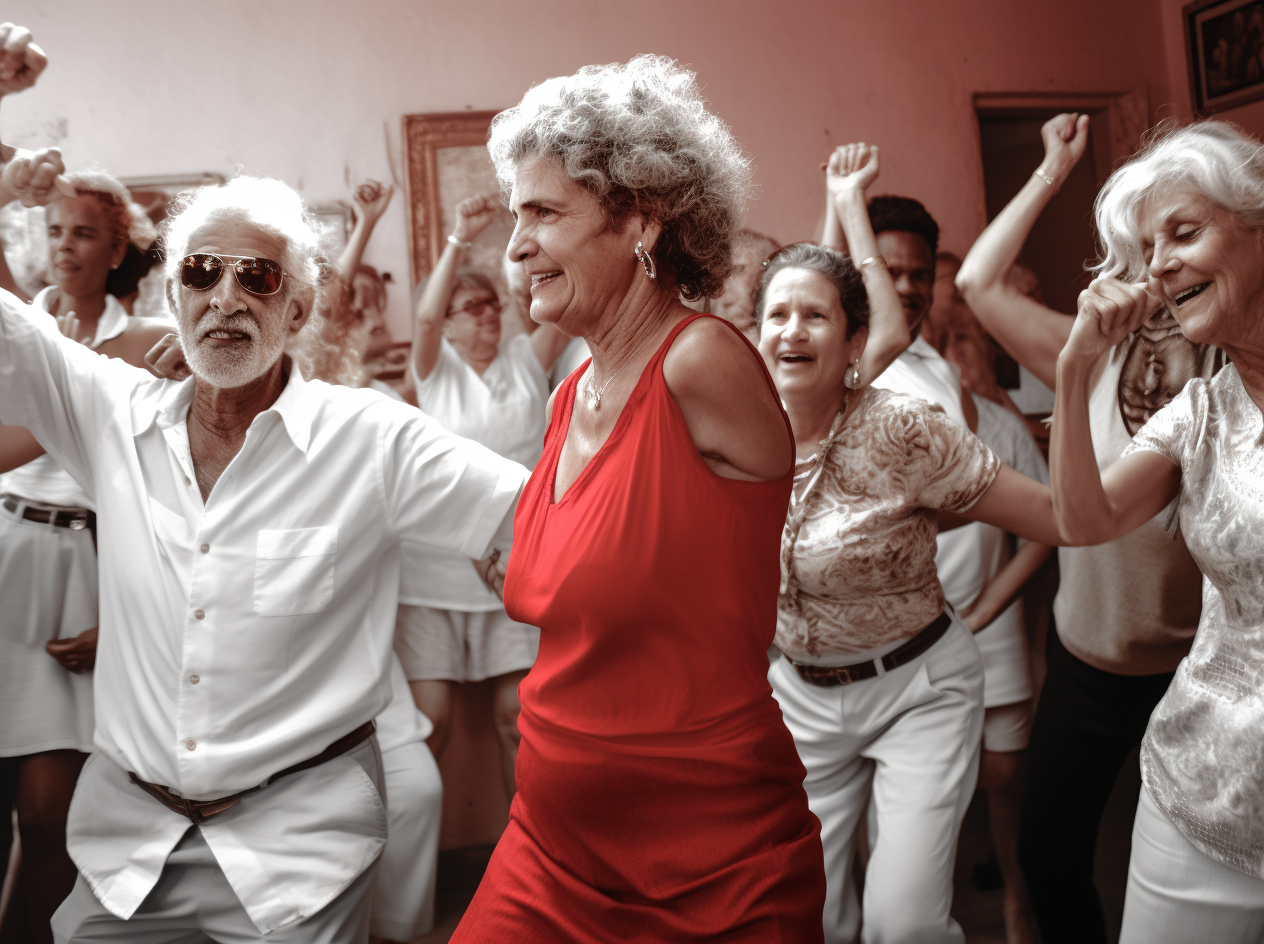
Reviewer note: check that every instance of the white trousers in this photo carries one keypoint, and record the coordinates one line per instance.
(404, 896)
(907, 742)
(1179, 895)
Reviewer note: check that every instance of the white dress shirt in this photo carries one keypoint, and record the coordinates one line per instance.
(923, 372)
(246, 634)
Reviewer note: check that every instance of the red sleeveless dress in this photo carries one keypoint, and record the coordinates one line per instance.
(660, 797)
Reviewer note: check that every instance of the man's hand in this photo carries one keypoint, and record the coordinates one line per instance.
(492, 570)
(372, 199)
(77, 654)
(165, 359)
(21, 61)
(34, 177)
(474, 215)
(68, 324)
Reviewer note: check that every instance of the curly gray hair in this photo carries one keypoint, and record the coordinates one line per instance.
(638, 136)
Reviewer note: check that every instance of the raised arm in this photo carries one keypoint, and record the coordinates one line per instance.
(473, 215)
(1092, 508)
(1030, 332)
(34, 177)
(850, 172)
(371, 200)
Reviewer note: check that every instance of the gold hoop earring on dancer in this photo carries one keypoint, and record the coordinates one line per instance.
(852, 377)
(646, 259)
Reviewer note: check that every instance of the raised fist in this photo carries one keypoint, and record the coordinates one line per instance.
(21, 61)
(474, 215)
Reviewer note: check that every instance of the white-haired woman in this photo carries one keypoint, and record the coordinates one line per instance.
(48, 567)
(1126, 610)
(659, 794)
(495, 394)
(1183, 228)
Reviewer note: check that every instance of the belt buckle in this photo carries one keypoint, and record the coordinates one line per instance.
(77, 524)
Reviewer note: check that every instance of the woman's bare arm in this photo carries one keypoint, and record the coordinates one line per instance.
(1092, 508)
(849, 174)
(1008, 584)
(472, 217)
(1030, 332)
(372, 199)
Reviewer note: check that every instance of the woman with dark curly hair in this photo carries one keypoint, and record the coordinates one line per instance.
(659, 795)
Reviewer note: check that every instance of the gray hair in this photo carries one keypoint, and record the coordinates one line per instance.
(1215, 158)
(269, 204)
(638, 136)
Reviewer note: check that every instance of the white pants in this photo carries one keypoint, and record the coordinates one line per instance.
(907, 741)
(1179, 895)
(403, 898)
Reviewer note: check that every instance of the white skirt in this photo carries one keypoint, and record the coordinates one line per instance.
(48, 590)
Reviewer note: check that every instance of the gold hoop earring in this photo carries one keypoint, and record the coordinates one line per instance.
(646, 259)
(852, 377)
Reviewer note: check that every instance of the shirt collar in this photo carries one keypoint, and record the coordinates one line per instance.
(922, 348)
(296, 406)
(110, 325)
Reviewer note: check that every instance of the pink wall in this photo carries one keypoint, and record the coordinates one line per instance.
(144, 88)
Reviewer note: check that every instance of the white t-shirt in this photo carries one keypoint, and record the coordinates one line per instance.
(502, 410)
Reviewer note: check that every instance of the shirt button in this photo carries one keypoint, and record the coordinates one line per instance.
(194, 679)
(206, 549)
(199, 614)
(190, 744)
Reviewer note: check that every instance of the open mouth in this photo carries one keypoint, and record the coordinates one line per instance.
(794, 359)
(1191, 292)
(543, 278)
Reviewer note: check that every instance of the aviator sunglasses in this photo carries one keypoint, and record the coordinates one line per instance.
(257, 276)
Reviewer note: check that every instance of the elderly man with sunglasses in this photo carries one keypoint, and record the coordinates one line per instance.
(250, 530)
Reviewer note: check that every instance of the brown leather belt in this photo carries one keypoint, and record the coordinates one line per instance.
(76, 519)
(199, 811)
(827, 675)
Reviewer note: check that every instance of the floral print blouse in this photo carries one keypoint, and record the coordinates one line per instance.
(858, 551)
(1203, 754)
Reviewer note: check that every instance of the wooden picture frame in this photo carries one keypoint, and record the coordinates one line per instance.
(445, 156)
(1224, 53)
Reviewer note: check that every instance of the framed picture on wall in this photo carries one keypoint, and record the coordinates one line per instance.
(1224, 46)
(446, 161)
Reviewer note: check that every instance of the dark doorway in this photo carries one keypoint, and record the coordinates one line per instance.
(1062, 241)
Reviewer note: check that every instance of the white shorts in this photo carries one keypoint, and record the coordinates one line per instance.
(462, 646)
(48, 590)
(1006, 728)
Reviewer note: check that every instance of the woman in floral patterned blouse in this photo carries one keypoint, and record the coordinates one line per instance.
(881, 686)
(1183, 227)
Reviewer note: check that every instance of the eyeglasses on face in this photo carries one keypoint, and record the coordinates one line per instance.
(476, 309)
(258, 276)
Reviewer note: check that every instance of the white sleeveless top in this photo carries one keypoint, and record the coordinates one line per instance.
(504, 411)
(42, 479)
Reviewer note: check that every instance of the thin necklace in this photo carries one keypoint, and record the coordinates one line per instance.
(594, 395)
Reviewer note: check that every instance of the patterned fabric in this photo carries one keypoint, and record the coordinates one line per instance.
(1203, 754)
(858, 553)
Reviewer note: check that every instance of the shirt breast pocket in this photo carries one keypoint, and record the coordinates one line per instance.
(294, 571)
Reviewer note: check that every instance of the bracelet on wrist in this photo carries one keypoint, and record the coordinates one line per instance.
(1045, 177)
(872, 260)
(459, 243)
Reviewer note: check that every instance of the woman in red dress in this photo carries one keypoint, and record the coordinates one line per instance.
(660, 797)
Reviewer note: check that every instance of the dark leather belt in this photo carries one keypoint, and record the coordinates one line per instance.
(199, 811)
(76, 519)
(827, 675)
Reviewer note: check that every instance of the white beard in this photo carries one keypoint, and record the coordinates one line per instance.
(227, 369)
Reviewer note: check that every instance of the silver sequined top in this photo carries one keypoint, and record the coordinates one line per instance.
(1203, 755)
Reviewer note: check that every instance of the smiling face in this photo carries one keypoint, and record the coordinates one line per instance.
(1207, 266)
(230, 337)
(472, 324)
(912, 264)
(80, 250)
(803, 337)
(578, 266)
